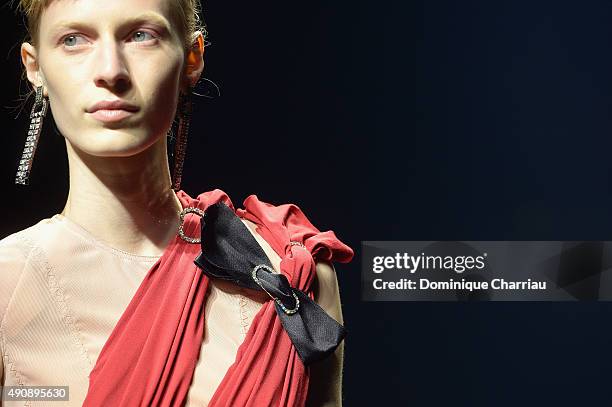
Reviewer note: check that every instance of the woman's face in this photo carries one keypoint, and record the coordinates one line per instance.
(124, 51)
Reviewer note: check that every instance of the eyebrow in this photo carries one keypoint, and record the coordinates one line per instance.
(142, 18)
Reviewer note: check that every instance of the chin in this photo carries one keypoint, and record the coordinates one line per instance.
(114, 143)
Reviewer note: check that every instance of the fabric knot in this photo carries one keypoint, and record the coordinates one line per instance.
(278, 288)
(230, 252)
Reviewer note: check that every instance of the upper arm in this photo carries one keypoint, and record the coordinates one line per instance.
(326, 376)
(326, 291)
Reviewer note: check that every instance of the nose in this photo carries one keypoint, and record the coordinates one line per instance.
(111, 71)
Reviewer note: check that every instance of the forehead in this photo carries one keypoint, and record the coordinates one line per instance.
(102, 11)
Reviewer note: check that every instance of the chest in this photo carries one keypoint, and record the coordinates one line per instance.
(67, 306)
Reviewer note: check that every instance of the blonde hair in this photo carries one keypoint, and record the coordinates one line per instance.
(185, 13)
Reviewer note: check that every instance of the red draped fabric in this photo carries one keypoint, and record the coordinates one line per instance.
(150, 357)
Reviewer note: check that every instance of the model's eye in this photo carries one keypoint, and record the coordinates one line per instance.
(140, 36)
(71, 40)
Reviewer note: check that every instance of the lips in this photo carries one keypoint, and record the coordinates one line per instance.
(113, 105)
(112, 111)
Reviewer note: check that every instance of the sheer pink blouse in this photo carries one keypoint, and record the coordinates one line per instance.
(61, 293)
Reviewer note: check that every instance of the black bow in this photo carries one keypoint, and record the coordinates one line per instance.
(230, 252)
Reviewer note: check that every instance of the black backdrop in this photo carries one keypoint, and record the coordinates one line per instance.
(405, 121)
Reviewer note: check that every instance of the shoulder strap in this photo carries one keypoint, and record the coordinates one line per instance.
(288, 231)
(230, 252)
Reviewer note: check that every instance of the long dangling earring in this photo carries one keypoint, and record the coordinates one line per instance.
(39, 110)
(184, 118)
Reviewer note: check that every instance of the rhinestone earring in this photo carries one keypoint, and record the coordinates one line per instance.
(39, 110)
(180, 144)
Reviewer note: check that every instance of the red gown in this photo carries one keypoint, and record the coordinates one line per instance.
(150, 357)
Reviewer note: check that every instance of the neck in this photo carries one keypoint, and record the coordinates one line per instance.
(132, 195)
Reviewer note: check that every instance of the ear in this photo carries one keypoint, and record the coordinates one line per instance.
(195, 60)
(29, 58)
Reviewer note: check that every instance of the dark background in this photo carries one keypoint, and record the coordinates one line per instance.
(467, 120)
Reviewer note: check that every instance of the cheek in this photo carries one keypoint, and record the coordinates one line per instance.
(65, 84)
(63, 108)
(160, 89)
(164, 89)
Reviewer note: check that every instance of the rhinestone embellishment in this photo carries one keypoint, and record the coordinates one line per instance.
(295, 243)
(181, 232)
(39, 110)
(279, 302)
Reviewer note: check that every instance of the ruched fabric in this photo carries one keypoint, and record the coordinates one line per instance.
(150, 356)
